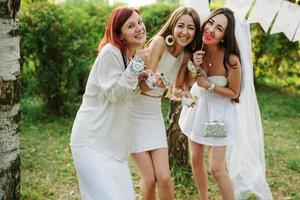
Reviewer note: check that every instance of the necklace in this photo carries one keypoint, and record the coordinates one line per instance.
(208, 59)
(209, 64)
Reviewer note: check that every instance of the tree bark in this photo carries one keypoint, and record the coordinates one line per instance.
(9, 100)
(177, 142)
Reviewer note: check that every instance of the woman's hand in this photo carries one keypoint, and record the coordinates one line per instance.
(157, 81)
(179, 92)
(186, 94)
(144, 75)
(202, 81)
(198, 58)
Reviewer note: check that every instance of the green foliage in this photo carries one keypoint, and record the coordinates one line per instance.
(58, 46)
(276, 59)
(155, 16)
(59, 42)
(183, 182)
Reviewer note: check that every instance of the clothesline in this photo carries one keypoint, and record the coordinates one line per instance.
(286, 15)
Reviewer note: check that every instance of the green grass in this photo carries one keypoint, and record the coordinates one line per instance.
(48, 173)
(46, 165)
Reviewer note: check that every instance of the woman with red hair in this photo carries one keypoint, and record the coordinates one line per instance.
(100, 138)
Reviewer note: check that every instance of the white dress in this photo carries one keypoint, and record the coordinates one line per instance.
(148, 128)
(209, 107)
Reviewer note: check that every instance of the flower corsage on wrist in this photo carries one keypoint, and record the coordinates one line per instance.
(189, 101)
(163, 78)
(137, 65)
(186, 101)
(211, 88)
(150, 82)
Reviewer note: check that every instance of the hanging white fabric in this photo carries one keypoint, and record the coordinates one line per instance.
(287, 20)
(264, 12)
(201, 7)
(245, 158)
(241, 7)
(297, 34)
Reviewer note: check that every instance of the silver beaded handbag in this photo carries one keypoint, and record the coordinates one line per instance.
(215, 129)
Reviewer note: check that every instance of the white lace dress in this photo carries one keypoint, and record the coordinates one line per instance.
(209, 107)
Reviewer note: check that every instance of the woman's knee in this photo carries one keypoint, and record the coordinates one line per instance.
(148, 182)
(164, 179)
(217, 171)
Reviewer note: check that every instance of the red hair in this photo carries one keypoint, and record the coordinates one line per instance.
(113, 27)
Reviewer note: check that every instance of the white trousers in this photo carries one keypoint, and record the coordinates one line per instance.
(101, 177)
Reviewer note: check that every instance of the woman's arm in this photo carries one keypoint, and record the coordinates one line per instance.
(232, 90)
(234, 80)
(113, 80)
(181, 80)
(156, 49)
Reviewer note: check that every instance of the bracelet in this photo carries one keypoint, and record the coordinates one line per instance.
(211, 88)
(137, 65)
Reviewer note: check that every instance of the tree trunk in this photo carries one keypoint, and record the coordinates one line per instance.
(178, 143)
(9, 101)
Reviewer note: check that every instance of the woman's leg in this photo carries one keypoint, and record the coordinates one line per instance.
(102, 177)
(145, 167)
(217, 165)
(198, 167)
(160, 161)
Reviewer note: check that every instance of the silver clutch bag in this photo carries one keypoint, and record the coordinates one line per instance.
(215, 129)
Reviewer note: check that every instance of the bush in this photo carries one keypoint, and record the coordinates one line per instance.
(276, 59)
(58, 46)
(59, 42)
(154, 16)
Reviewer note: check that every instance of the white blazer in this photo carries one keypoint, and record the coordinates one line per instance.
(102, 121)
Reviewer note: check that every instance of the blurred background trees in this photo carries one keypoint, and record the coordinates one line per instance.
(59, 42)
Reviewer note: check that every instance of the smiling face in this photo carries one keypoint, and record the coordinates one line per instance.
(133, 31)
(184, 31)
(214, 29)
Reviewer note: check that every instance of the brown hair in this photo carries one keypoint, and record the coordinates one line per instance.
(230, 43)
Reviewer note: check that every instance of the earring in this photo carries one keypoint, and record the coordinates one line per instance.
(222, 41)
(169, 40)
